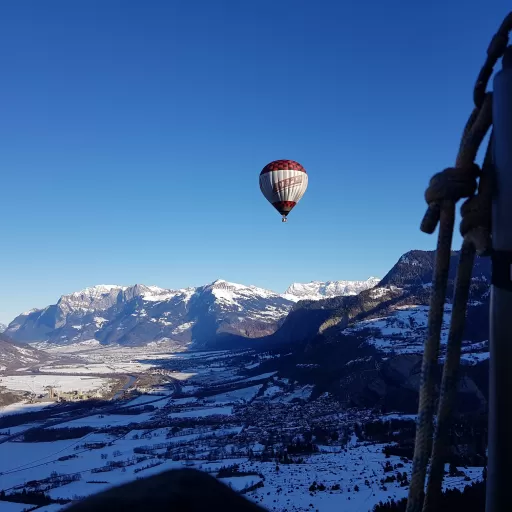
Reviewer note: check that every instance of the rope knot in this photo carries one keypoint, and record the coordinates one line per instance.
(476, 223)
(452, 184)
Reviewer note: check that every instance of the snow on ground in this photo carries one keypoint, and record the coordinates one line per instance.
(259, 377)
(475, 358)
(237, 483)
(22, 407)
(272, 391)
(394, 416)
(38, 460)
(470, 358)
(6, 506)
(211, 374)
(357, 469)
(403, 331)
(38, 383)
(182, 375)
(183, 327)
(104, 420)
(302, 393)
(86, 485)
(22, 459)
(189, 389)
(67, 349)
(154, 400)
(244, 394)
(204, 435)
(288, 487)
(98, 368)
(183, 401)
(20, 428)
(91, 351)
(50, 508)
(196, 413)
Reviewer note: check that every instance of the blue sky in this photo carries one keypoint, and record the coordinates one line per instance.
(132, 134)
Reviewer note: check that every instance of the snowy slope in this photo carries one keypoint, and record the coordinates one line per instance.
(14, 356)
(404, 332)
(317, 290)
(2, 327)
(399, 326)
(142, 314)
(392, 315)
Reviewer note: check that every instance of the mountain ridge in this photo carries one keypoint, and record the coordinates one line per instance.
(407, 283)
(224, 315)
(13, 355)
(318, 290)
(140, 314)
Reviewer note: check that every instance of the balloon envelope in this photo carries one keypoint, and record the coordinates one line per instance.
(283, 183)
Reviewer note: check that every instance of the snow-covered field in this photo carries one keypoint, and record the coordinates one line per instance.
(38, 384)
(197, 413)
(14, 507)
(201, 428)
(263, 376)
(105, 420)
(347, 480)
(21, 407)
(302, 393)
(357, 472)
(98, 368)
(244, 395)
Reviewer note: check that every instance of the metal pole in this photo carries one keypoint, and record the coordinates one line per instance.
(499, 495)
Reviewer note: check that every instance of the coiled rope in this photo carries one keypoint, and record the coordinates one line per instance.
(465, 180)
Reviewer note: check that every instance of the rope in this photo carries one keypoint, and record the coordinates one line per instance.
(445, 189)
(451, 365)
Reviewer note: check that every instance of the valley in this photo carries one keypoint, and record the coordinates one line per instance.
(231, 414)
(313, 408)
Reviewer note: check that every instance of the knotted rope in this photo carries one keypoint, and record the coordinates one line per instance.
(444, 191)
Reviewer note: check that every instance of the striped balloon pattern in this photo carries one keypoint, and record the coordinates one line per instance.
(283, 183)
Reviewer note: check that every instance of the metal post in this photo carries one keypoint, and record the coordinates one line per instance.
(499, 495)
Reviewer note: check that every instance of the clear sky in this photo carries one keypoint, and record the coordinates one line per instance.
(132, 134)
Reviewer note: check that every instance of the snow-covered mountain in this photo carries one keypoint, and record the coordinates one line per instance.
(141, 314)
(404, 330)
(317, 290)
(3, 327)
(368, 347)
(13, 355)
(392, 316)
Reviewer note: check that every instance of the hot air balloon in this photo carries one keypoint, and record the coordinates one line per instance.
(283, 183)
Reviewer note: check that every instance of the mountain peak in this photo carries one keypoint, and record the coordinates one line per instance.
(226, 290)
(97, 297)
(141, 314)
(223, 284)
(317, 290)
(99, 289)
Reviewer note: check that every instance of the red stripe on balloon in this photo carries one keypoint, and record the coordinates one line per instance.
(284, 207)
(282, 165)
